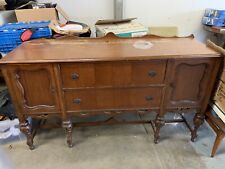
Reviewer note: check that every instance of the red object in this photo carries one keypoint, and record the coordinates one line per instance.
(26, 35)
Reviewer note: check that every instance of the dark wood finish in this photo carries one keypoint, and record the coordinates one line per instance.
(188, 79)
(85, 77)
(219, 127)
(116, 74)
(106, 49)
(32, 81)
(100, 99)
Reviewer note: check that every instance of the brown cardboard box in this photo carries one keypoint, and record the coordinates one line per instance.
(218, 104)
(222, 77)
(41, 14)
(121, 28)
(219, 97)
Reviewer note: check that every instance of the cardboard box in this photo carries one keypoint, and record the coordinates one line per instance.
(121, 28)
(218, 104)
(222, 76)
(41, 14)
(219, 97)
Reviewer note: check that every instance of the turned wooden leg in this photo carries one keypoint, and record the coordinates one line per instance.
(68, 126)
(27, 130)
(198, 121)
(159, 122)
(217, 143)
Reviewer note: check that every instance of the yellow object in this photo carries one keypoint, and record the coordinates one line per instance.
(163, 31)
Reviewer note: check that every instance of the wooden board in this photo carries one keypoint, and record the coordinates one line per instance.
(107, 48)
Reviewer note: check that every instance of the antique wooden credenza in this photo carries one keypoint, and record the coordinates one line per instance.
(83, 77)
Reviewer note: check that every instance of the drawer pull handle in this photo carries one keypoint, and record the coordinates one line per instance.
(152, 73)
(75, 76)
(149, 98)
(77, 101)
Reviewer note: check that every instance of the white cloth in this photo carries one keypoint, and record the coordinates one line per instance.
(9, 128)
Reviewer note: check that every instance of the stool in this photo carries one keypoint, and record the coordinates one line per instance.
(219, 127)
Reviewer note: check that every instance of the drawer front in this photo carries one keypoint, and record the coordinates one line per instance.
(127, 98)
(124, 73)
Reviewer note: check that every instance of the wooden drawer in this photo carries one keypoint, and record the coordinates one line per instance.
(124, 73)
(89, 99)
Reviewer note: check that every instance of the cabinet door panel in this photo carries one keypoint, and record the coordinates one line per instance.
(187, 81)
(36, 87)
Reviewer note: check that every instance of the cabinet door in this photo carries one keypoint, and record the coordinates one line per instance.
(188, 81)
(35, 87)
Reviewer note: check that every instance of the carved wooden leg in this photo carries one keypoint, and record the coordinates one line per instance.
(159, 122)
(68, 126)
(198, 121)
(217, 143)
(27, 130)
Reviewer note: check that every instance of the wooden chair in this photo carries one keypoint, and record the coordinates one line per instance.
(219, 127)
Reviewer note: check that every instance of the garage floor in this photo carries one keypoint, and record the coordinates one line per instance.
(116, 147)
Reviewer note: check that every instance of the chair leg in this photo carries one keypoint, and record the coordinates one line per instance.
(217, 143)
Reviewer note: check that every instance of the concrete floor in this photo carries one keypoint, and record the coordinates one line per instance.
(116, 147)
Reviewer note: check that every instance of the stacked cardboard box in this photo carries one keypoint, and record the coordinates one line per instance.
(121, 28)
(218, 101)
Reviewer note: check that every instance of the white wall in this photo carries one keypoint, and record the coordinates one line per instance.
(185, 14)
(87, 11)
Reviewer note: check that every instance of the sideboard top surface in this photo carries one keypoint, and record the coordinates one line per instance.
(107, 49)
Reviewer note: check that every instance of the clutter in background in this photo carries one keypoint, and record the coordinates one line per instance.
(13, 4)
(32, 23)
(11, 35)
(163, 31)
(62, 26)
(217, 30)
(213, 17)
(219, 98)
(218, 101)
(121, 28)
(71, 28)
(7, 17)
(6, 107)
(40, 12)
(31, 15)
(9, 128)
(2, 4)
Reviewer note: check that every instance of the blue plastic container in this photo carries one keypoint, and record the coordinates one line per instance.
(10, 33)
(215, 13)
(213, 21)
